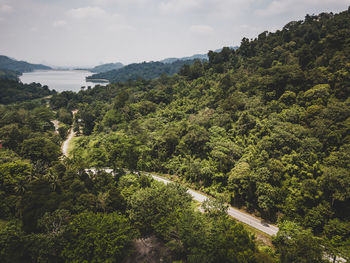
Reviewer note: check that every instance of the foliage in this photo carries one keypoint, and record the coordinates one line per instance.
(267, 124)
(154, 209)
(297, 245)
(98, 238)
(11, 90)
(9, 74)
(166, 210)
(11, 243)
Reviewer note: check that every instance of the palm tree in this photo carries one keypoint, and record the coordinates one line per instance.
(52, 179)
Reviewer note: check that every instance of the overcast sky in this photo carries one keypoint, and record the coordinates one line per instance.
(91, 32)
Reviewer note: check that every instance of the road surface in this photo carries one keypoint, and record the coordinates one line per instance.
(71, 135)
(254, 222)
(235, 213)
(67, 141)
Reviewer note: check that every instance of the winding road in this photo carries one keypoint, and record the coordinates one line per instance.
(235, 213)
(245, 218)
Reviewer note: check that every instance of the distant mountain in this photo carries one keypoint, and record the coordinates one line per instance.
(196, 56)
(145, 70)
(20, 66)
(107, 67)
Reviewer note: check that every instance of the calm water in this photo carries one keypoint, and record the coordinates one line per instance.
(59, 80)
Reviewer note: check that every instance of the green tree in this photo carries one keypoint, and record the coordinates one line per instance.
(295, 244)
(337, 239)
(98, 238)
(12, 244)
(40, 149)
(155, 209)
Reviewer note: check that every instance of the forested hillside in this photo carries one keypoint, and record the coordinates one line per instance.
(20, 66)
(14, 91)
(53, 210)
(193, 57)
(107, 67)
(9, 74)
(265, 126)
(145, 70)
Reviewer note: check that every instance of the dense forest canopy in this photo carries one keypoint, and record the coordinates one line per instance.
(265, 127)
(53, 210)
(9, 74)
(14, 91)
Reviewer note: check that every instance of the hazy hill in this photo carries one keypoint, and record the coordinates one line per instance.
(145, 70)
(107, 67)
(20, 66)
(196, 56)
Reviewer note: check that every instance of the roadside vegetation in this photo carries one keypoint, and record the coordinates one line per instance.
(264, 127)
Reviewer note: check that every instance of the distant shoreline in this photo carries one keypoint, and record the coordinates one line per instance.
(62, 79)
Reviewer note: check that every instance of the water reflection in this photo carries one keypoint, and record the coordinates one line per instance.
(61, 80)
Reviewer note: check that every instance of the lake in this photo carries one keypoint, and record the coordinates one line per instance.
(60, 80)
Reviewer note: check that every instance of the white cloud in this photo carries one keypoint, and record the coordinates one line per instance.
(274, 8)
(278, 7)
(86, 12)
(6, 8)
(120, 2)
(116, 28)
(201, 29)
(59, 23)
(175, 6)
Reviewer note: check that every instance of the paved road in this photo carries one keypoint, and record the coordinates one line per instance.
(235, 213)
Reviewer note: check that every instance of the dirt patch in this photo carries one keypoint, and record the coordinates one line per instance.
(263, 239)
(150, 250)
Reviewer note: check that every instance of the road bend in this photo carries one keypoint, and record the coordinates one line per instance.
(245, 218)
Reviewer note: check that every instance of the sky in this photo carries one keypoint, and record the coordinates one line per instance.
(85, 33)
